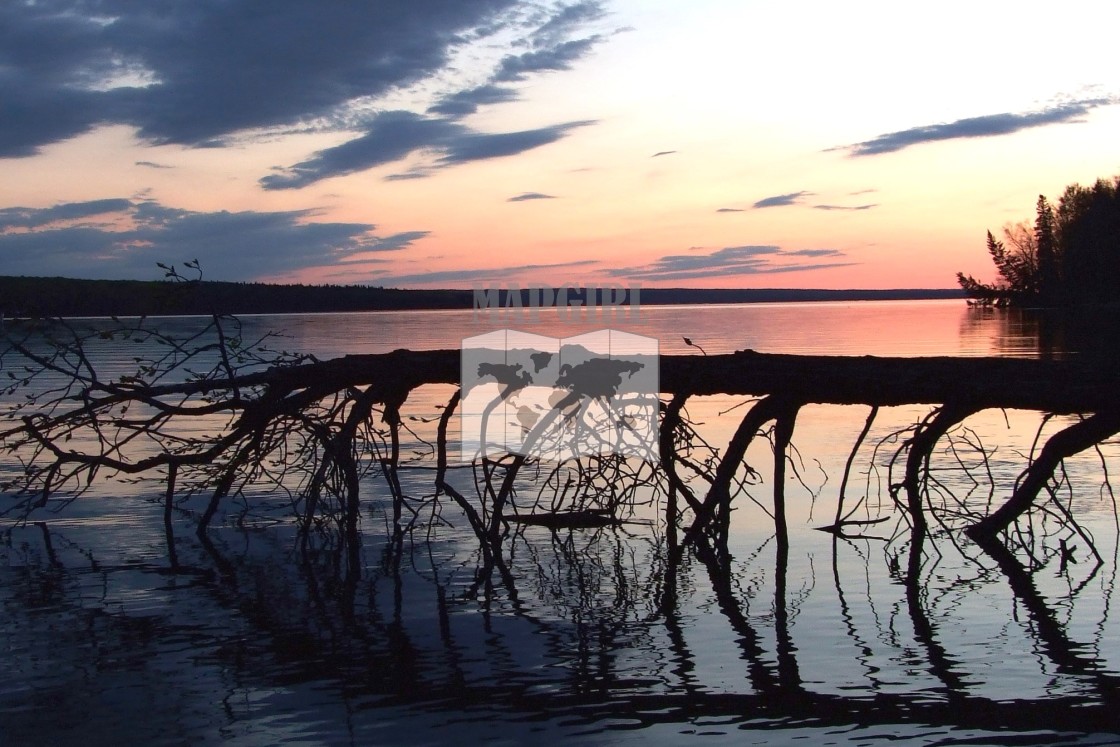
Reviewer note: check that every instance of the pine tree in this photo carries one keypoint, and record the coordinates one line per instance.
(1046, 246)
(1072, 256)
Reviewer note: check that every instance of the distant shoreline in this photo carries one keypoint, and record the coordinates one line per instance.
(67, 297)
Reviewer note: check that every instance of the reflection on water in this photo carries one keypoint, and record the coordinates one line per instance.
(1045, 333)
(1013, 332)
(596, 635)
(905, 328)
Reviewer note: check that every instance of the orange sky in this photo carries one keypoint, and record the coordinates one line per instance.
(703, 144)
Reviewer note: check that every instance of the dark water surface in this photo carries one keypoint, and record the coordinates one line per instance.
(597, 638)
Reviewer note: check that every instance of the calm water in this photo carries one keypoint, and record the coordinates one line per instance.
(905, 328)
(259, 642)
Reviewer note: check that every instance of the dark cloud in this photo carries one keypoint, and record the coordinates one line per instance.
(730, 210)
(498, 275)
(134, 235)
(195, 73)
(396, 134)
(476, 146)
(568, 19)
(18, 217)
(153, 165)
(390, 243)
(814, 253)
(526, 196)
(419, 172)
(988, 125)
(391, 136)
(730, 261)
(663, 153)
(462, 103)
(846, 207)
(33, 115)
(551, 48)
(792, 198)
(560, 57)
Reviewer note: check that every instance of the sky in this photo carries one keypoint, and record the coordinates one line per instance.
(456, 144)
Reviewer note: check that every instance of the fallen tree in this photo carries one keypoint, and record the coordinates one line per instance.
(270, 415)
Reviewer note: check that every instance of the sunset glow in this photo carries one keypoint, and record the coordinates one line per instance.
(444, 144)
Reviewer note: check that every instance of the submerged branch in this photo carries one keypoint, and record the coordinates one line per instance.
(276, 415)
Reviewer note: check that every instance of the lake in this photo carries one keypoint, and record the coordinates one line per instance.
(597, 637)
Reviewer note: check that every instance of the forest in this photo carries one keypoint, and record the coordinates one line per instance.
(68, 297)
(1069, 257)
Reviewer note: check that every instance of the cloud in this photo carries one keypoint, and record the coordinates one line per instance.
(132, 236)
(559, 57)
(192, 73)
(815, 253)
(419, 172)
(499, 275)
(988, 125)
(660, 153)
(396, 134)
(18, 217)
(796, 198)
(792, 198)
(153, 165)
(391, 243)
(556, 29)
(551, 48)
(474, 146)
(525, 196)
(462, 103)
(730, 210)
(846, 207)
(197, 73)
(731, 261)
(391, 136)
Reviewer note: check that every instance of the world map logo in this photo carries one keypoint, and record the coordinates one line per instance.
(559, 399)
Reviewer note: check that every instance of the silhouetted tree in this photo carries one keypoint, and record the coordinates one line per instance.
(1072, 257)
(1046, 243)
(1017, 266)
(1089, 220)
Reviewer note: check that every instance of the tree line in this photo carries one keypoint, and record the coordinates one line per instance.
(69, 297)
(1069, 257)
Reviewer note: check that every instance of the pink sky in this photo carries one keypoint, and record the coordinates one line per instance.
(703, 144)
